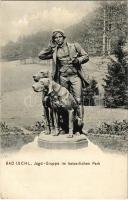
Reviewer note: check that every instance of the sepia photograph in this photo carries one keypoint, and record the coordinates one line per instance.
(64, 99)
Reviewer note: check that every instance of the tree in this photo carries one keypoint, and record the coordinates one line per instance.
(116, 84)
(114, 14)
(90, 92)
(98, 32)
(125, 63)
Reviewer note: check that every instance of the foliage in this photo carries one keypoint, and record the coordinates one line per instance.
(116, 81)
(89, 93)
(8, 130)
(115, 128)
(5, 129)
(25, 47)
(88, 32)
(13, 138)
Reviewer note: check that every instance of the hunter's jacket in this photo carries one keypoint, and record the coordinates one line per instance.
(75, 50)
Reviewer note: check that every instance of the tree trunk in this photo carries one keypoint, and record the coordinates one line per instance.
(104, 33)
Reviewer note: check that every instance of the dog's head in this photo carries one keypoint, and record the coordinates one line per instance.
(43, 84)
(40, 74)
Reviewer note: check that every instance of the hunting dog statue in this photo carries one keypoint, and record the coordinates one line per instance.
(49, 111)
(63, 99)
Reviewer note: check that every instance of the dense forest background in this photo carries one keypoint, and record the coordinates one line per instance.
(98, 33)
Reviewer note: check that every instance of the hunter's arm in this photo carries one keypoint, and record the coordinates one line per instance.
(82, 55)
(46, 54)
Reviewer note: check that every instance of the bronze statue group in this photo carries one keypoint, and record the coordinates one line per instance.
(62, 89)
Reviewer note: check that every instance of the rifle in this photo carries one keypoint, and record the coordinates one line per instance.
(84, 82)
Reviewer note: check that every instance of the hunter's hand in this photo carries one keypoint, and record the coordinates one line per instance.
(52, 44)
(75, 62)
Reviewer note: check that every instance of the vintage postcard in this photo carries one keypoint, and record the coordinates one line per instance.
(64, 100)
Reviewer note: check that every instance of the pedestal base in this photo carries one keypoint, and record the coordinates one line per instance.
(62, 141)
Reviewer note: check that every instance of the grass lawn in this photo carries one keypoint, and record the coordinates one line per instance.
(21, 106)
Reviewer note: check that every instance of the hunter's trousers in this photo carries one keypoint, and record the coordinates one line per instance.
(73, 84)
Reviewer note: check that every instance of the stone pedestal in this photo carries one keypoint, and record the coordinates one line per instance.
(62, 141)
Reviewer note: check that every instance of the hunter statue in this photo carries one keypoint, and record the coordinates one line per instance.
(66, 69)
